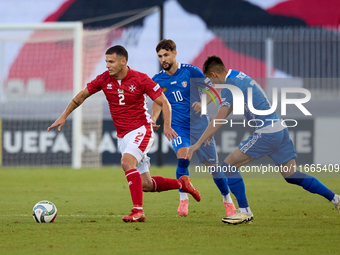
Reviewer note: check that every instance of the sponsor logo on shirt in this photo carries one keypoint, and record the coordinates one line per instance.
(120, 90)
(109, 86)
(173, 82)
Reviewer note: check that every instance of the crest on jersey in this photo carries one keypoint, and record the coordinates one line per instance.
(132, 88)
(184, 84)
(164, 89)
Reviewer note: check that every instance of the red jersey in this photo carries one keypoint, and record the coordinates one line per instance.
(127, 98)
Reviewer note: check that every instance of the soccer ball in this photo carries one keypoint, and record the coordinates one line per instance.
(44, 212)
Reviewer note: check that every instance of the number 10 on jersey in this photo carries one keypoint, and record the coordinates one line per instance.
(178, 96)
(177, 141)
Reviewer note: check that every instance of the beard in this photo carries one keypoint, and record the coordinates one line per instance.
(115, 72)
(168, 67)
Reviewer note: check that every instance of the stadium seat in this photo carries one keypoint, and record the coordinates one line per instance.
(35, 87)
(15, 88)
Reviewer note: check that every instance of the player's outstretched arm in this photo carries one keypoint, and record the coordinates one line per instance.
(75, 102)
(213, 126)
(163, 102)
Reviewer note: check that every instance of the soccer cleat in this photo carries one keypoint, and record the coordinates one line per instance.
(230, 209)
(338, 205)
(183, 207)
(189, 188)
(135, 216)
(238, 218)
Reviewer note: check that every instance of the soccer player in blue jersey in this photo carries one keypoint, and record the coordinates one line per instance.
(270, 137)
(184, 98)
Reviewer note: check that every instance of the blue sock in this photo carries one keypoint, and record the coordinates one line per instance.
(221, 182)
(182, 168)
(311, 184)
(236, 184)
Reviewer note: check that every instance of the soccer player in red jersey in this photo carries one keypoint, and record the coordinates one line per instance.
(125, 90)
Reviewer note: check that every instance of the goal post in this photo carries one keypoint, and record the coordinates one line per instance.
(42, 66)
(77, 31)
(77, 85)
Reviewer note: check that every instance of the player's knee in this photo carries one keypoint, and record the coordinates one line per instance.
(147, 185)
(126, 164)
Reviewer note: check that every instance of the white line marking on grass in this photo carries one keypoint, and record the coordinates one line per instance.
(76, 215)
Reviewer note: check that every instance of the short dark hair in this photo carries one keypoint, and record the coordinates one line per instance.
(213, 63)
(119, 50)
(166, 44)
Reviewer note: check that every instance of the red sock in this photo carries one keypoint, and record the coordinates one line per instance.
(162, 184)
(136, 188)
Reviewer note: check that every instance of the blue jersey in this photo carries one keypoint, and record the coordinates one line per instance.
(260, 101)
(181, 93)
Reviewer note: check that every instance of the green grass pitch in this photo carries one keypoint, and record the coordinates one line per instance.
(91, 202)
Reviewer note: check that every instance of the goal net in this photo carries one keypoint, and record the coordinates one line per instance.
(42, 67)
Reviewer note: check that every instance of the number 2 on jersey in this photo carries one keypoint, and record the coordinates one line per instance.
(121, 98)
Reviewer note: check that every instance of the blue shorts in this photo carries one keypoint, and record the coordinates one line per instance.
(277, 146)
(186, 138)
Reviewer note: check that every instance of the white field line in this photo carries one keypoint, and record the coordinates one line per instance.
(75, 215)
